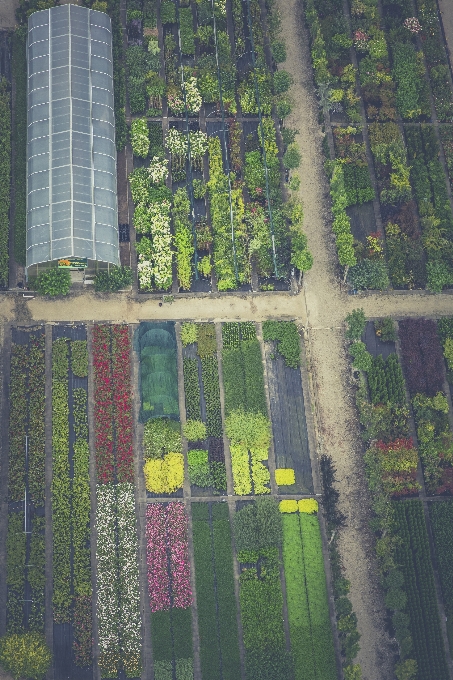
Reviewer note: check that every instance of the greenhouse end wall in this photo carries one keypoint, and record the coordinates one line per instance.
(71, 154)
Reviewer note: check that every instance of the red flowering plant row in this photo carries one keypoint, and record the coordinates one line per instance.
(103, 404)
(167, 555)
(122, 402)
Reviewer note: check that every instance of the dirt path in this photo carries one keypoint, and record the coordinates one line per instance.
(446, 12)
(8, 13)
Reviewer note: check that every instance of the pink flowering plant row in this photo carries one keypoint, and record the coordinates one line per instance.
(167, 556)
(122, 402)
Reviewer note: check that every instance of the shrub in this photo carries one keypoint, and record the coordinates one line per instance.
(25, 656)
(161, 436)
(385, 329)
(282, 82)
(114, 280)
(356, 323)
(369, 274)
(286, 335)
(79, 358)
(194, 431)
(251, 430)
(362, 358)
(54, 282)
(292, 157)
(285, 477)
(287, 506)
(140, 137)
(199, 470)
(167, 12)
(308, 505)
(258, 525)
(188, 333)
(164, 475)
(279, 51)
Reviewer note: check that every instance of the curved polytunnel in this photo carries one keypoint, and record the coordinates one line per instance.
(71, 154)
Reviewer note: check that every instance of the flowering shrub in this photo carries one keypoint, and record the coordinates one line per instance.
(122, 409)
(140, 137)
(193, 96)
(360, 40)
(164, 475)
(308, 505)
(103, 403)
(176, 142)
(288, 506)
(167, 557)
(158, 170)
(285, 477)
(412, 24)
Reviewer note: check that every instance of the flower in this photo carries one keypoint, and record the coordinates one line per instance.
(412, 24)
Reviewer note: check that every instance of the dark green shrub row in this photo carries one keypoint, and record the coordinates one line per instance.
(119, 78)
(441, 515)
(216, 603)
(428, 181)
(286, 336)
(186, 31)
(357, 182)
(412, 94)
(5, 178)
(19, 69)
(191, 389)
(116, 279)
(414, 556)
(211, 390)
(243, 376)
(385, 381)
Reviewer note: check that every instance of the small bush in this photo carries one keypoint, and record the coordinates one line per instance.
(279, 51)
(282, 82)
(194, 431)
(285, 477)
(356, 322)
(54, 282)
(116, 279)
(371, 274)
(188, 333)
(292, 157)
(289, 135)
(25, 656)
(308, 505)
(167, 12)
(362, 358)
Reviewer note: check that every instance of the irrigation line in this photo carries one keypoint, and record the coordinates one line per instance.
(189, 154)
(222, 109)
(263, 144)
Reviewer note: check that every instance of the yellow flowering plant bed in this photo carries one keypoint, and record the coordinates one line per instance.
(308, 505)
(288, 506)
(165, 475)
(285, 477)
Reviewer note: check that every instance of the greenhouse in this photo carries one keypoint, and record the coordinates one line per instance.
(71, 154)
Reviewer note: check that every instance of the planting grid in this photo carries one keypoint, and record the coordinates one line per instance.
(199, 568)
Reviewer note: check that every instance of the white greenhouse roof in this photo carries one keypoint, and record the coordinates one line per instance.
(71, 154)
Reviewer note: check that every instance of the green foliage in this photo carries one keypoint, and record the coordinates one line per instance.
(278, 48)
(243, 376)
(167, 12)
(19, 69)
(258, 525)
(116, 279)
(441, 515)
(385, 381)
(362, 358)
(119, 76)
(341, 224)
(216, 605)
(161, 436)
(211, 390)
(406, 670)
(206, 338)
(356, 322)
(186, 30)
(286, 335)
(140, 137)
(385, 329)
(292, 157)
(413, 554)
(188, 333)
(412, 96)
(79, 358)
(15, 571)
(54, 282)
(194, 431)
(25, 656)
(251, 430)
(5, 178)
(282, 82)
(199, 472)
(191, 388)
(306, 592)
(371, 274)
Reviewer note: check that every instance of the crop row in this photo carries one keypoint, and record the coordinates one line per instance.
(414, 556)
(308, 611)
(118, 593)
(5, 178)
(71, 503)
(169, 590)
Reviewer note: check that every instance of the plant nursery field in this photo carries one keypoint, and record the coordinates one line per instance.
(404, 388)
(170, 550)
